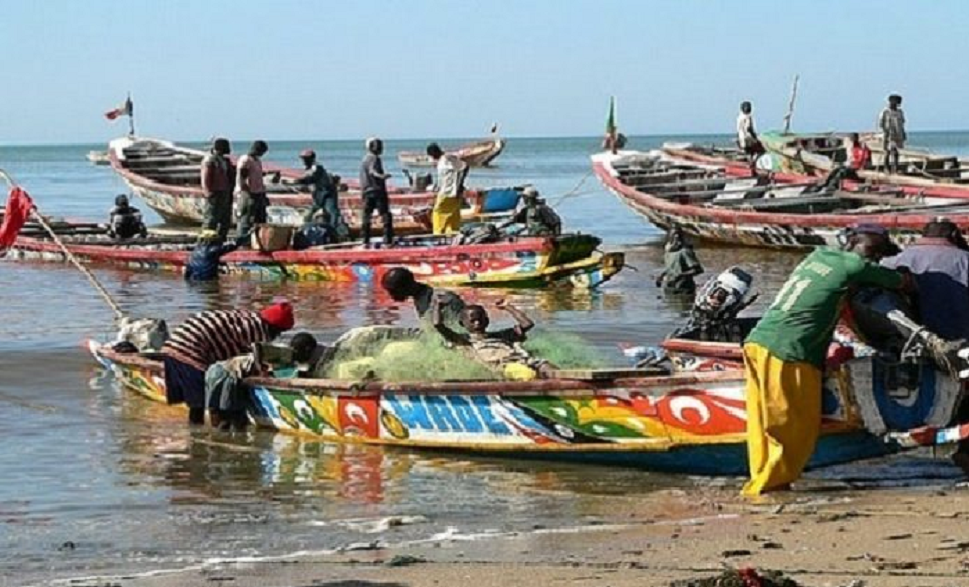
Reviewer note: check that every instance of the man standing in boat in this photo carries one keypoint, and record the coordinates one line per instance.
(217, 184)
(212, 336)
(784, 354)
(746, 135)
(373, 185)
(251, 191)
(451, 171)
(891, 122)
(325, 194)
(939, 262)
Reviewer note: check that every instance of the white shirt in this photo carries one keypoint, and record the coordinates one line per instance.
(745, 129)
(450, 169)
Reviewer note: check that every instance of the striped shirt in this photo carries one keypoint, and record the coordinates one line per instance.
(216, 335)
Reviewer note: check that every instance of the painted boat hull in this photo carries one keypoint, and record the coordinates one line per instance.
(757, 228)
(185, 204)
(524, 262)
(690, 423)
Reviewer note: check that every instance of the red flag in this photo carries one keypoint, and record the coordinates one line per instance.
(125, 109)
(19, 206)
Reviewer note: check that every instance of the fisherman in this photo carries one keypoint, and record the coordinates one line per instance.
(373, 185)
(226, 393)
(784, 354)
(891, 122)
(499, 349)
(537, 217)
(325, 193)
(680, 265)
(859, 155)
(747, 138)
(251, 191)
(939, 262)
(203, 261)
(124, 220)
(217, 180)
(315, 232)
(212, 336)
(400, 283)
(451, 172)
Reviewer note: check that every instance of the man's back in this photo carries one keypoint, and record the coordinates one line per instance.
(800, 322)
(371, 175)
(942, 274)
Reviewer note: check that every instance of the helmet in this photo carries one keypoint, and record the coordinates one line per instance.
(724, 295)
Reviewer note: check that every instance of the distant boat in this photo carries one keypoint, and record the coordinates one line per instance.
(98, 157)
(478, 154)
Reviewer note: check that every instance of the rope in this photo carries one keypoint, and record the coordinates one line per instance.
(119, 314)
(575, 190)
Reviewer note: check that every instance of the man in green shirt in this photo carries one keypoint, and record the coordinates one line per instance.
(784, 354)
(680, 265)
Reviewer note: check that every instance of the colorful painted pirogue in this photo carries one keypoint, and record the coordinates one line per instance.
(514, 262)
(797, 157)
(166, 176)
(732, 207)
(692, 423)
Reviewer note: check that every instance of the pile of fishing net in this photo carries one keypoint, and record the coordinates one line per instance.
(740, 578)
(393, 354)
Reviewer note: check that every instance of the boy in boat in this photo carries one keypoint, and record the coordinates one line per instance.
(315, 232)
(784, 355)
(451, 172)
(203, 261)
(217, 180)
(537, 217)
(680, 265)
(325, 193)
(226, 393)
(891, 122)
(400, 283)
(500, 349)
(746, 134)
(212, 336)
(859, 155)
(373, 185)
(124, 220)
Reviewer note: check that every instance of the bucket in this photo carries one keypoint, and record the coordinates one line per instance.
(269, 238)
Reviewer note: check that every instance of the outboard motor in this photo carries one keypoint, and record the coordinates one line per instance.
(716, 306)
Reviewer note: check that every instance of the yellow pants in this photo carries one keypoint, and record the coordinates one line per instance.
(783, 418)
(446, 216)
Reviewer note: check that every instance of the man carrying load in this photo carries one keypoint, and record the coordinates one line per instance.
(784, 354)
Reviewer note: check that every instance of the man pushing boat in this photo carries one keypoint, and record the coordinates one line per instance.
(784, 354)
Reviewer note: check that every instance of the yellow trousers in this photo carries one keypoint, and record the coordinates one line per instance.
(446, 216)
(783, 418)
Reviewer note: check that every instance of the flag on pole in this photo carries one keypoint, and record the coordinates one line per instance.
(18, 209)
(611, 118)
(126, 109)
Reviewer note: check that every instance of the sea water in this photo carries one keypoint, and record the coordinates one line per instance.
(94, 479)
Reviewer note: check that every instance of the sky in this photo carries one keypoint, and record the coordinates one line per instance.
(286, 69)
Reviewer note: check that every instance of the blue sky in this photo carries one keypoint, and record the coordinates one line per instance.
(286, 69)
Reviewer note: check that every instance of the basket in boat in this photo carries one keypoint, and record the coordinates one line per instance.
(269, 238)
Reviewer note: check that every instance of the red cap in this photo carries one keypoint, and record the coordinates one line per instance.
(279, 315)
(307, 154)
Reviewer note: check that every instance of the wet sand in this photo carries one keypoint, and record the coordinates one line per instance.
(822, 536)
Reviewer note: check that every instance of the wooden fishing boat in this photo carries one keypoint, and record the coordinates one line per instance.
(687, 423)
(819, 153)
(167, 177)
(773, 210)
(98, 157)
(479, 154)
(512, 262)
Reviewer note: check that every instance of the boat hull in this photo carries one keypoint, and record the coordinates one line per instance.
(480, 154)
(684, 424)
(526, 262)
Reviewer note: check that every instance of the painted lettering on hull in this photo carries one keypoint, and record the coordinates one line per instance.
(452, 413)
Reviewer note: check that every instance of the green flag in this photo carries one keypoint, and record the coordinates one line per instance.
(611, 119)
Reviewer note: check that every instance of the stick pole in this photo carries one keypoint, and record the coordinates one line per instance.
(70, 256)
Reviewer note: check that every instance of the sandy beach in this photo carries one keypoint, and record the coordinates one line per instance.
(818, 538)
